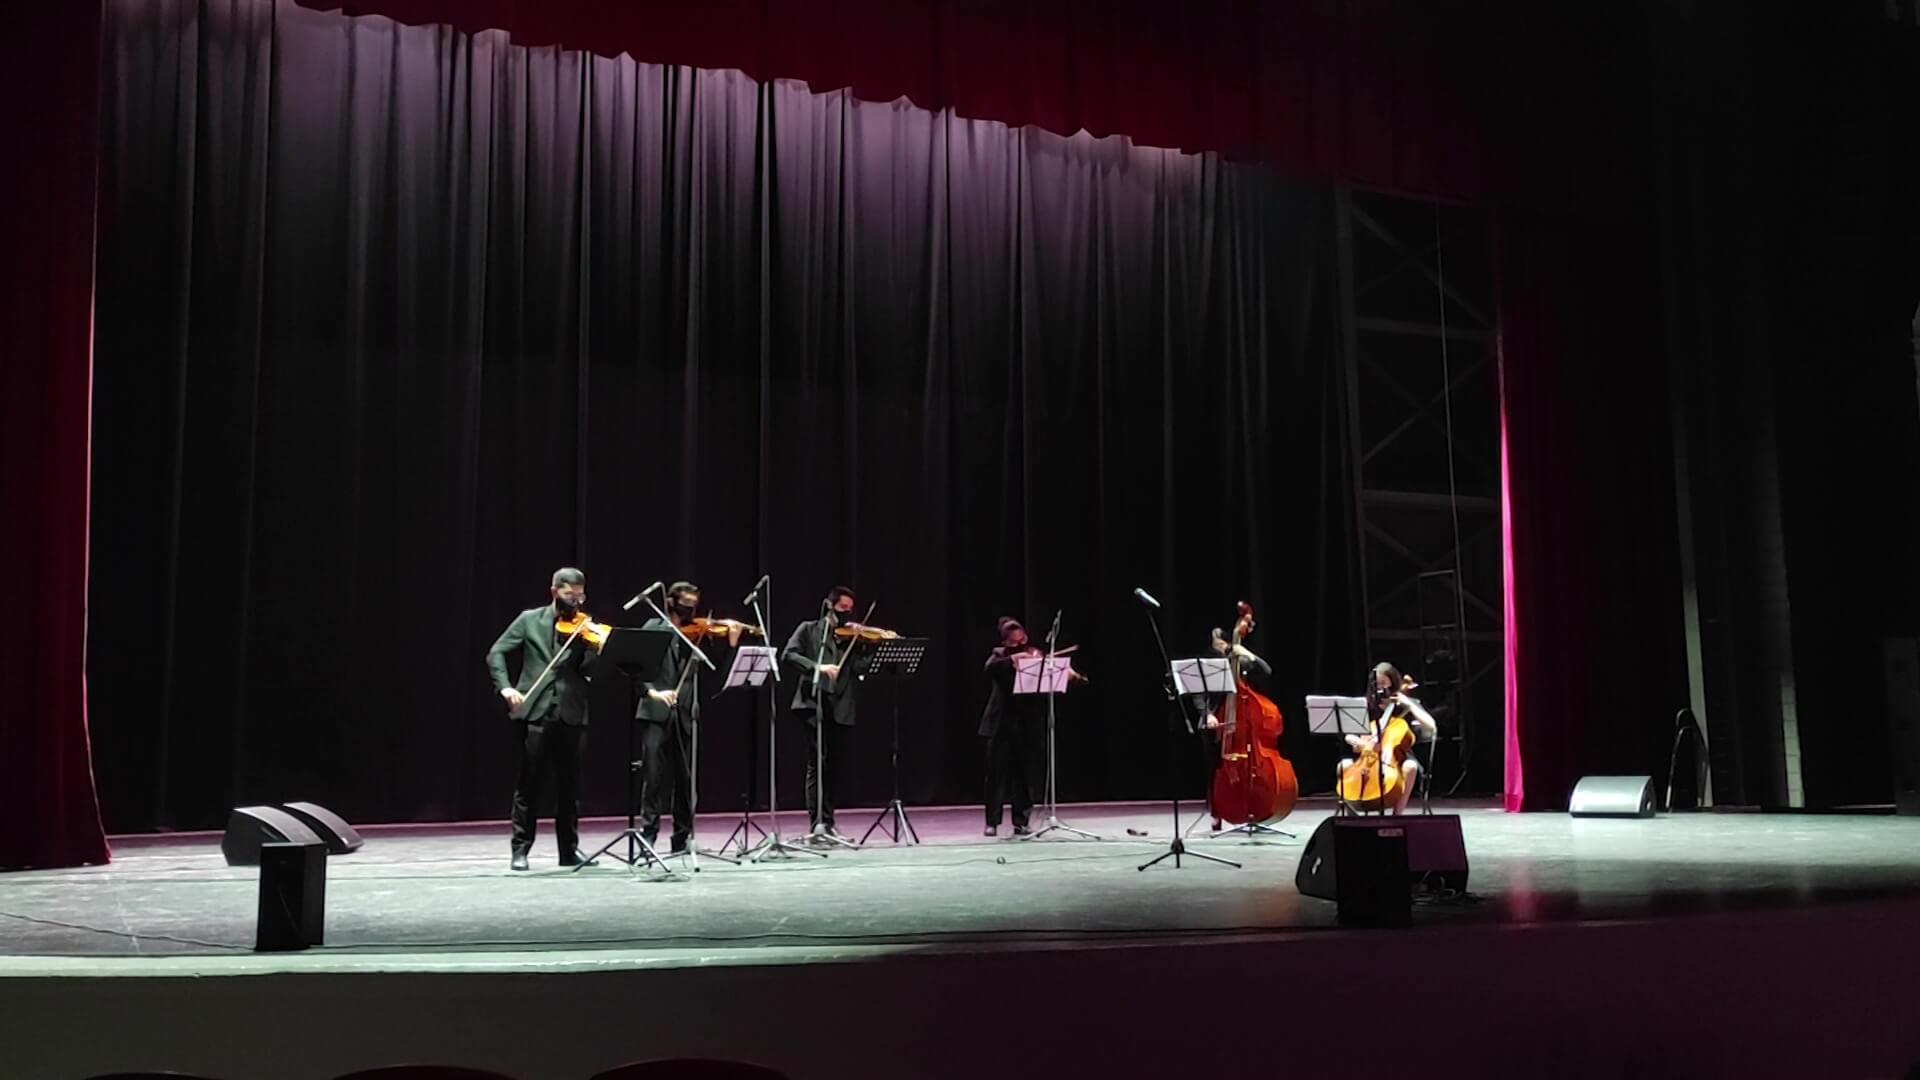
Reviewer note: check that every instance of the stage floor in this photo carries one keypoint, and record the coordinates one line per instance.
(437, 896)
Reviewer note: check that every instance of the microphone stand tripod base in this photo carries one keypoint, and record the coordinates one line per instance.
(1054, 824)
(1179, 848)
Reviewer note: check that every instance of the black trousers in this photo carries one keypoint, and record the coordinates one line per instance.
(666, 774)
(1016, 765)
(838, 759)
(549, 746)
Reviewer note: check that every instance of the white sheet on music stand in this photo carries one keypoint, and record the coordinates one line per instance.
(751, 665)
(1040, 675)
(1203, 675)
(1331, 715)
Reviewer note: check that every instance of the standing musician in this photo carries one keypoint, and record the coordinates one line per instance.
(814, 646)
(1252, 668)
(549, 701)
(1015, 727)
(1386, 695)
(668, 709)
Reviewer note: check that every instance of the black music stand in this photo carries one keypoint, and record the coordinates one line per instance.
(895, 660)
(1186, 678)
(635, 653)
(1048, 675)
(1328, 714)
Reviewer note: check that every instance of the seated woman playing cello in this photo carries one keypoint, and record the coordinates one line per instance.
(1398, 720)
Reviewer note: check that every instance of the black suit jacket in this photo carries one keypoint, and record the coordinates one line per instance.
(564, 693)
(673, 665)
(1000, 695)
(799, 654)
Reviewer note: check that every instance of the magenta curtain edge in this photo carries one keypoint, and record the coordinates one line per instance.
(47, 792)
(1514, 788)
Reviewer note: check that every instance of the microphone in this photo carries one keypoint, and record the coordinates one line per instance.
(755, 594)
(628, 606)
(1144, 597)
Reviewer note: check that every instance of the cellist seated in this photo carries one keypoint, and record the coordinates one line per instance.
(1386, 696)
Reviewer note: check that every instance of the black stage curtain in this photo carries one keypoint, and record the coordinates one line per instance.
(395, 320)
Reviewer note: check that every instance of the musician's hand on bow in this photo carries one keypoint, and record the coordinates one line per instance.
(1213, 722)
(831, 671)
(514, 698)
(665, 697)
(1220, 644)
(734, 630)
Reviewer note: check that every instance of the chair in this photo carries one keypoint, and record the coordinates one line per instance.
(690, 1069)
(423, 1073)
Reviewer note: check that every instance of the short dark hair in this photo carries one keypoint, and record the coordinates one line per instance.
(1006, 623)
(834, 594)
(681, 588)
(567, 575)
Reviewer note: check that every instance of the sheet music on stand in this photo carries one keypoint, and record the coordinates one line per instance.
(896, 658)
(1041, 674)
(752, 664)
(1331, 715)
(1202, 675)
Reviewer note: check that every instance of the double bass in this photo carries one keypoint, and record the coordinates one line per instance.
(1252, 781)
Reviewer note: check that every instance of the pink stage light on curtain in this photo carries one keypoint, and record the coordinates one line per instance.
(1514, 789)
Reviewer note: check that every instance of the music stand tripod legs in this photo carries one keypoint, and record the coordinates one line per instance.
(1054, 824)
(894, 814)
(638, 849)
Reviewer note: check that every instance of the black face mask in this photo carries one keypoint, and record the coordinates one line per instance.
(685, 611)
(565, 606)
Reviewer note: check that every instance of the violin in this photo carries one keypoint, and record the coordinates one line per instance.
(860, 631)
(707, 626)
(578, 627)
(1373, 779)
(1252, 781)
(582, 624)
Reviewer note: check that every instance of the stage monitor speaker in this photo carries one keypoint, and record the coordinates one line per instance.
(248, 827)
(293, 896)
(1903, 721)
(331, 828)
(1370, 866)
(1612, 796)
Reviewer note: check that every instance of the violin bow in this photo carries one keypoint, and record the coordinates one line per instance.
(534, 688)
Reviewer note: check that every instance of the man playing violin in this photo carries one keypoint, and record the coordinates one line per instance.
(813, 647)
(551, 716)
(668, 709)
(1387, 694)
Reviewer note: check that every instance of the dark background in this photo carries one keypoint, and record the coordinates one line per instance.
(440, 314)
(381, 338)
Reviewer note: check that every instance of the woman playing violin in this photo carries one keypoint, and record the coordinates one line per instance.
(1015, 727)
(1386, 696)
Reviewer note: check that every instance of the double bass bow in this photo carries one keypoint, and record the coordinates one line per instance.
(1252, 782)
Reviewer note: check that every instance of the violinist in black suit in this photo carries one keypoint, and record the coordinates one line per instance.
(668, 711)
(551, 717)
(811, 648)
(1015, 727)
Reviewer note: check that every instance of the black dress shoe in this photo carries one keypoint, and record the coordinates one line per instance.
(1022, 830)
(519, 860)
(993, 830)
(578, 857)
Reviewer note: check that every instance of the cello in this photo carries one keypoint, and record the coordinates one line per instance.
(1252, 781)
(1372, 781)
